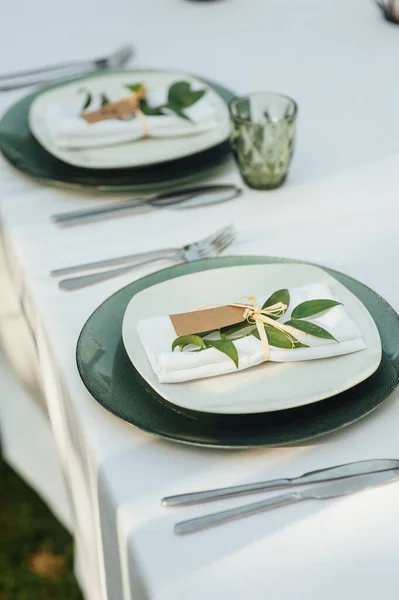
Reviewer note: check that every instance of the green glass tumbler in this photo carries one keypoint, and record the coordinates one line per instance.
(262, 137)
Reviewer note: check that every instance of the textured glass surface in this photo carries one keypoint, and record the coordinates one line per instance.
(262, 138)
(114, 382)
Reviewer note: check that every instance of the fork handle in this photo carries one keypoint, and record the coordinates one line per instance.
(42, 79)
(77, 64)
(131, 259)
(82, 281)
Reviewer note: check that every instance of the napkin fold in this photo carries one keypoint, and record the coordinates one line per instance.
(157, 335)
(68, 130)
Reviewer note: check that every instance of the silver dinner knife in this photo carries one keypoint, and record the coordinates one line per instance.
(330, 489)
(330, 473)
(186, 198)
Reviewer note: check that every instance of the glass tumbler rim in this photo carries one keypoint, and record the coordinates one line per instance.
(237, 99)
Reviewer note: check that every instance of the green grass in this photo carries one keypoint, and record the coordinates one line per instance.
(28, 529)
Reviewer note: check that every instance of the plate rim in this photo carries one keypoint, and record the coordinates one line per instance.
(355, 379)
(220, 153)
(221, 446)
(35, 130)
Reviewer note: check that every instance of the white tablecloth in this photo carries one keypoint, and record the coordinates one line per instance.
(339, 208)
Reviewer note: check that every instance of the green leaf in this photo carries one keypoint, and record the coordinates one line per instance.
(104, 99)
(298, 344)
(225, 346)
(277, 339)
(185, 340)
(89, 98)
(311, 328)
(231, 329)
(279, 296)
(150, 111)
(178, 111)
(312, 307)
(203, 334)
(135, 87)
(182, 96)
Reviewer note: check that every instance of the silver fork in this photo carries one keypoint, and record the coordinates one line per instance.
(40, 75)
(209, 247)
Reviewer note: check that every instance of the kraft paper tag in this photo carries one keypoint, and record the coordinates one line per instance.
(206, 320)
(113, 110)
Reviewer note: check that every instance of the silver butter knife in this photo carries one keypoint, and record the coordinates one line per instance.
(186, 198)
(330, 489)
(341, 471)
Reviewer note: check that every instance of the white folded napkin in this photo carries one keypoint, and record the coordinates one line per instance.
(68, 130)
(157, 335)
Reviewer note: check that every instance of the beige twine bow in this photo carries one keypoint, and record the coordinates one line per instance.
(260, 316)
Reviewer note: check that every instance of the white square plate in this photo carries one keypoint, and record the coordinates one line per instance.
(131, 154)
(269, 386)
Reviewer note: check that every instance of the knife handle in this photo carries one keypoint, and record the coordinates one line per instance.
(213, 519)
(77, 215)
(228, 492)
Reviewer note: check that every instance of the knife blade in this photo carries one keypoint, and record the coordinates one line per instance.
(321, 491)
(329, 473)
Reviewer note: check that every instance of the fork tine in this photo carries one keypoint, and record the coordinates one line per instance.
(226, 233)
(211, 238)
(221, 239)
(229, 229)
(217, 250)
(222, 245)
(209, 250)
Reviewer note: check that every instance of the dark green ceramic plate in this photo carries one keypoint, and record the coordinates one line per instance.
(114, 382)
(22, 150)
